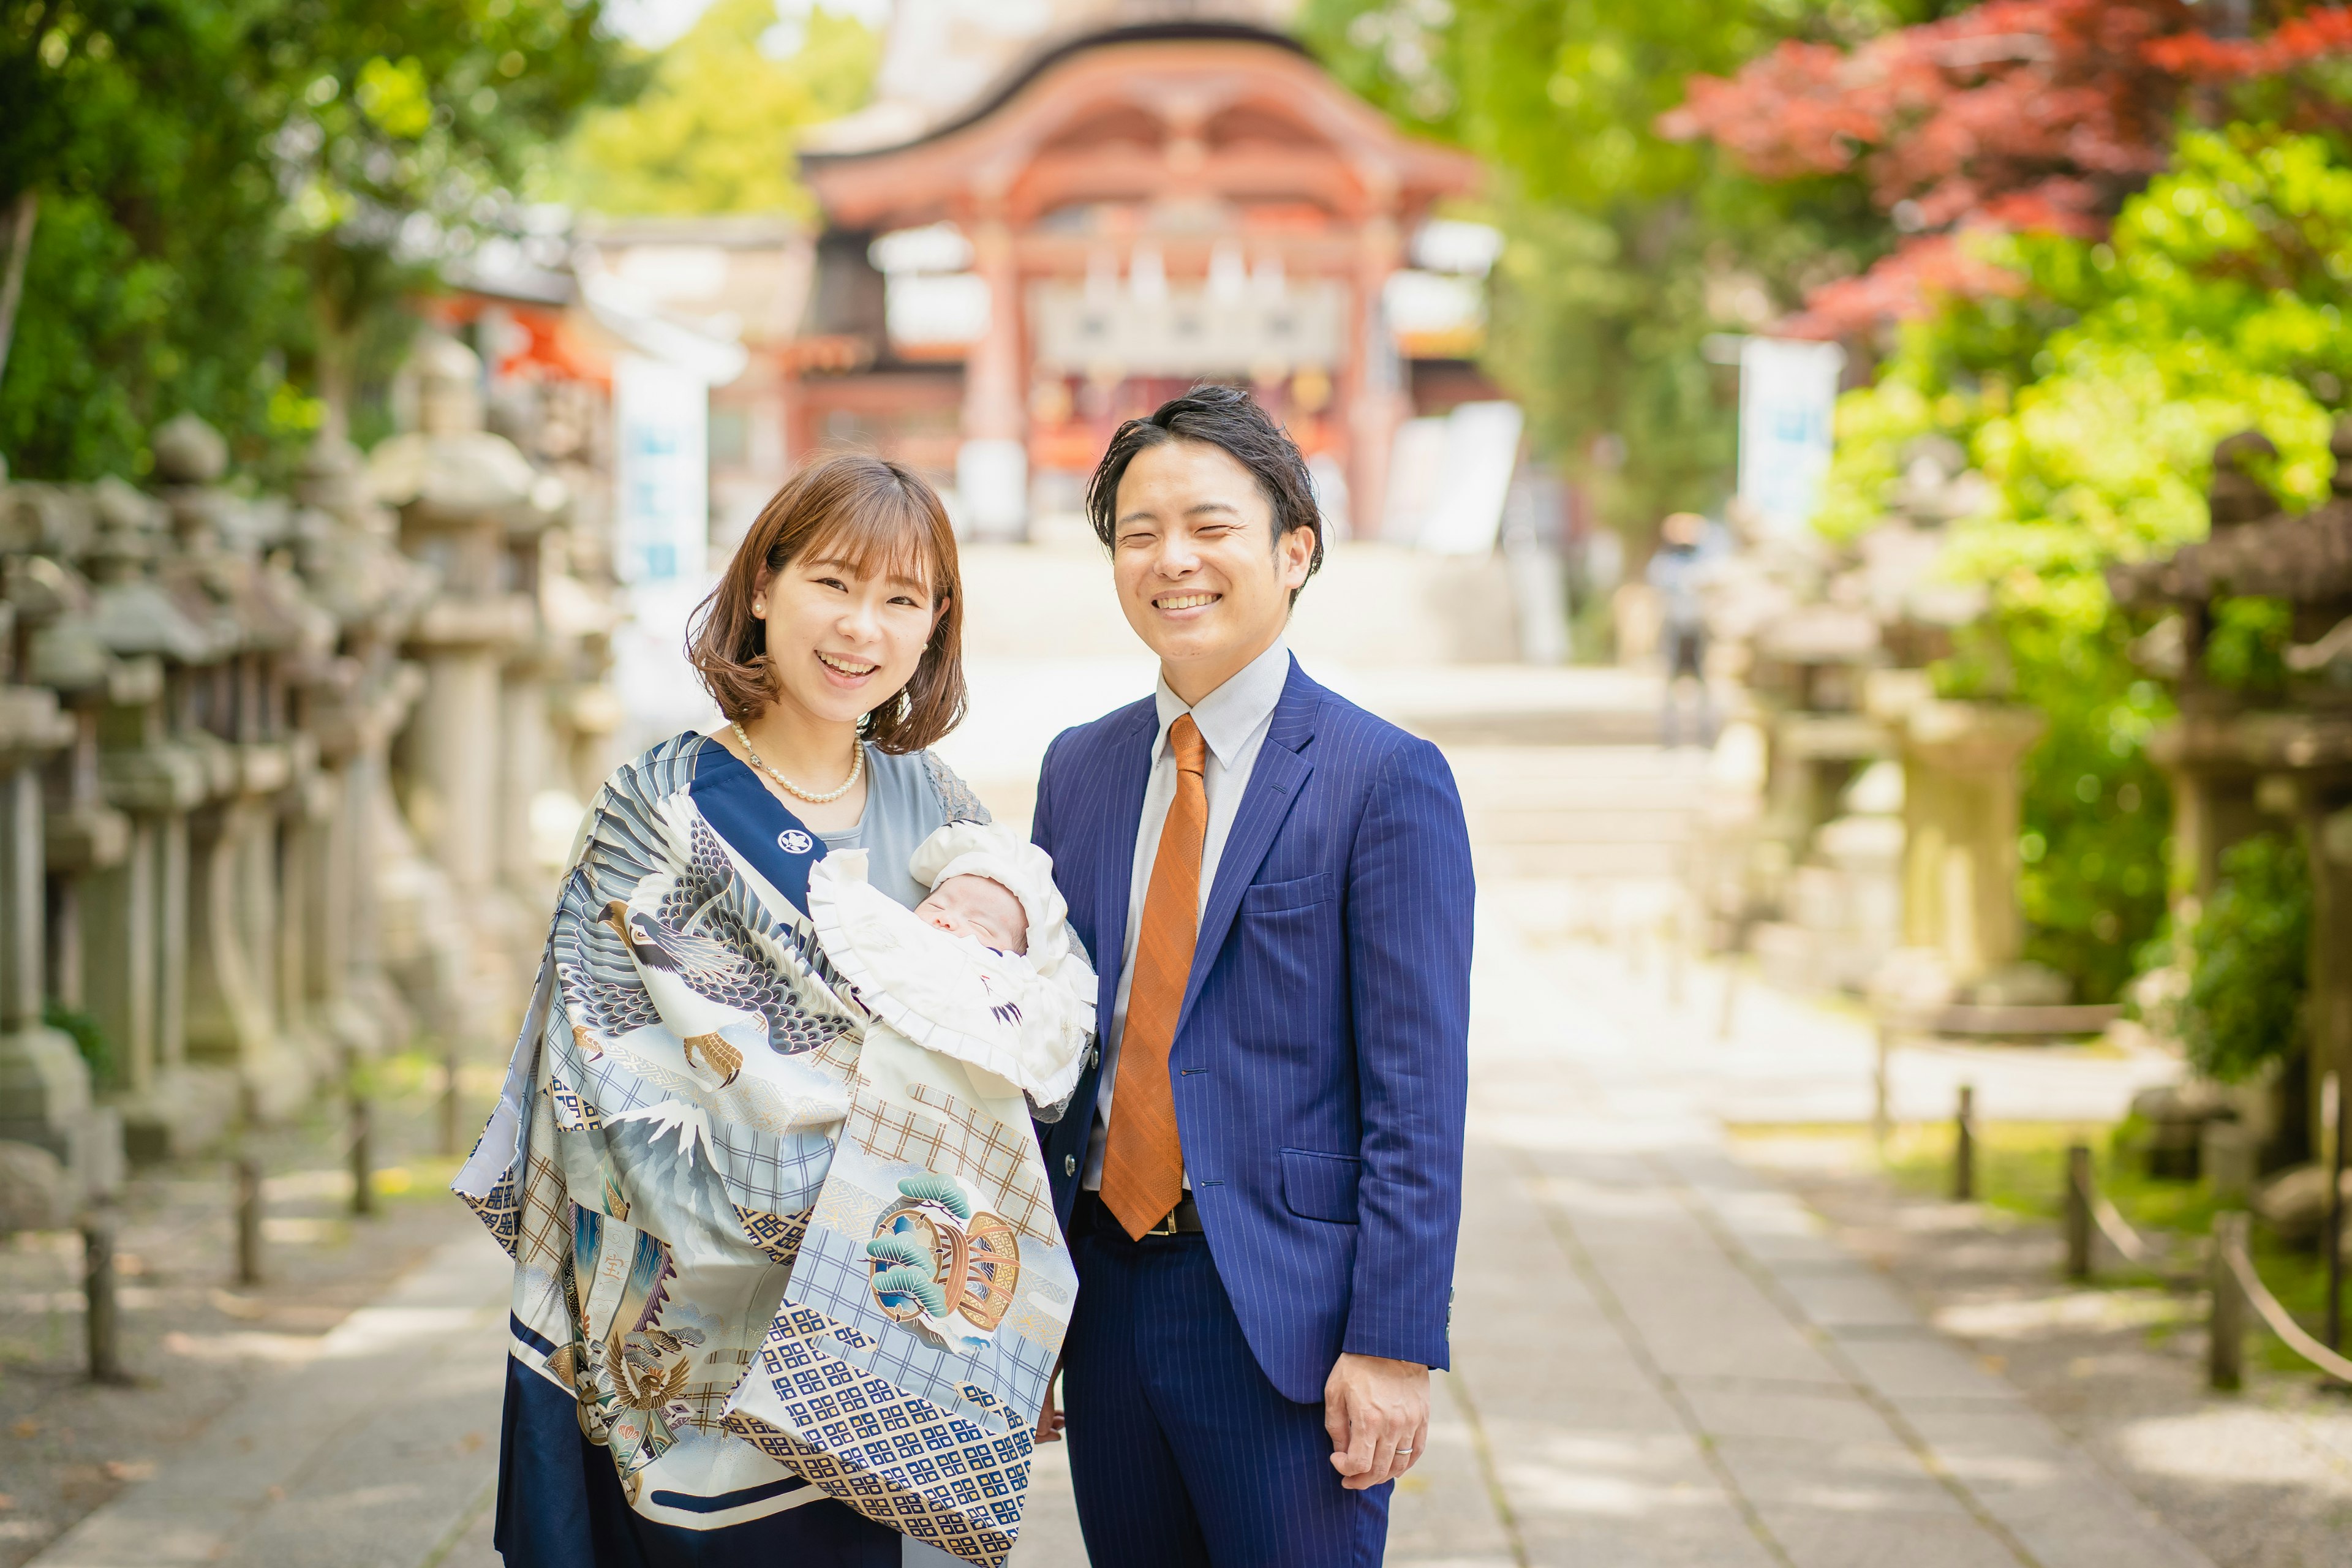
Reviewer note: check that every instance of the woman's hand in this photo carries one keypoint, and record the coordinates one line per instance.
(1050, 1420)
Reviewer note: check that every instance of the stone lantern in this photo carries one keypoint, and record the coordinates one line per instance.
(354, 704)
(2241, 764)
(135, 915)
(45, 1096)
(236, 716)
(471, 507)
(1961, 803)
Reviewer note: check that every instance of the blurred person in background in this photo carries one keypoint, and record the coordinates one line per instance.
(1678, 574)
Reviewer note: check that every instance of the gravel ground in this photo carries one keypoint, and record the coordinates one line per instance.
(2257, 1479)
(191, 1337)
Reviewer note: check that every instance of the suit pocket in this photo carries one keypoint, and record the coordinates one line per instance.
(1320, 1186)
(1272, 897)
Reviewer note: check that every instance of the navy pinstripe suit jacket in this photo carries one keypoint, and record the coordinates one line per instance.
(1320, 1064)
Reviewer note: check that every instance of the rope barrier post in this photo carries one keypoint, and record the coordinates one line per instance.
(102, 1311)
(2331, 1326)
(1964, 1146)
(451, 1128)
(249, 1220)
(362, 1156)
(1881, 1117)
(1673, 923)
(2078, 1211)
(2226, 1339)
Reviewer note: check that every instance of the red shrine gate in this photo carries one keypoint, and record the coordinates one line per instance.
(1135, 210)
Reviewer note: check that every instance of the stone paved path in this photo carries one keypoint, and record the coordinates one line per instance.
(1662, 1360)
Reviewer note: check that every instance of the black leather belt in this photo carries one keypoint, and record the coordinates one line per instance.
(1184, 1219)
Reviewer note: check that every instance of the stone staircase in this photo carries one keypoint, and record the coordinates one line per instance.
(1579, 812)
(1557, 767)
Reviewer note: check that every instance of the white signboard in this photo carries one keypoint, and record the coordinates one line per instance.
(1448, 477)
(1482, 449)
(663, 417)
(1787, 394)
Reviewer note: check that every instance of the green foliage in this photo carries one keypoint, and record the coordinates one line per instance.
(152, 284)
(2249, 959)
(944, 1191)
(713, 133)
(89, 1040)
(1625, 249)
(2092, 398)
(234, 195)
(2245, 647)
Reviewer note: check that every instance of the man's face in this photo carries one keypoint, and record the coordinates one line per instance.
(1199, 574)
(979, 907)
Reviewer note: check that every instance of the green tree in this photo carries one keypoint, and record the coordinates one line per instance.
(407, 134)
(1625, 247)
(2250, 961)
(2092, 392)
(132, 138)
(234, 195)
(713, 132)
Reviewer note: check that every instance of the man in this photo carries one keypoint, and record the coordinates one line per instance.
(1261, 1169)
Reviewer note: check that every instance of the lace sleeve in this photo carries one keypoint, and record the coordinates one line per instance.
(957, 801)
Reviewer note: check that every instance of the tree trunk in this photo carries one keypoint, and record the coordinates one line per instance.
(338, 376)
(12, 283)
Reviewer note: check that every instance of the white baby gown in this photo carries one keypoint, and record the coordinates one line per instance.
(934, 1287)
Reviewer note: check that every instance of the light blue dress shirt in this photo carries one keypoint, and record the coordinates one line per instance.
(1233, 719)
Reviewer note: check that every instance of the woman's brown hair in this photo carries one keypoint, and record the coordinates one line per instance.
(877, 516)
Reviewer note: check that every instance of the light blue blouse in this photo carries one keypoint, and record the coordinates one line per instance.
(907, 799)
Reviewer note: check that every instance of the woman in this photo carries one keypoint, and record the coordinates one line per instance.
(668, 1117)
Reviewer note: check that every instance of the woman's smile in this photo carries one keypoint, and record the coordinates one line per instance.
(843, 670)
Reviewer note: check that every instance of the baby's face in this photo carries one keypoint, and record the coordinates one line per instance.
(980, 909)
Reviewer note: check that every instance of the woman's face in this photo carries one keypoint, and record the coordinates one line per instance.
(843, 642)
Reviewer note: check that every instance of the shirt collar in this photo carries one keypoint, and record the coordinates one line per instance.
(1231, 714)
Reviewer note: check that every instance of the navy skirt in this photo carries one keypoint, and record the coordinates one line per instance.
(560, 1506)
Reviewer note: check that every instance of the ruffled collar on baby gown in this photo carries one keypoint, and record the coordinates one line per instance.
(994, 1011)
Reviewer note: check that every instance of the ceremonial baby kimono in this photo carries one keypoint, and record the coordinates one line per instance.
(932, 1287)
(688, 1061)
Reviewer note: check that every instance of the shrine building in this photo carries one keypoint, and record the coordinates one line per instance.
(1128, 211)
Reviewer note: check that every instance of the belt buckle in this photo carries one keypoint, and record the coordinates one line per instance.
(1166, 1225)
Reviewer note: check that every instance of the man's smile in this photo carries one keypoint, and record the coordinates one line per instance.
(1190, 600)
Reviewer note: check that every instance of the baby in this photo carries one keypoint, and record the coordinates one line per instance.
(985, 970)
(931, 1288)
(981, 908)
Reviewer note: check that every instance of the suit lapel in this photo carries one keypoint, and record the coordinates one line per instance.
(1127, 776)
(1276, 781)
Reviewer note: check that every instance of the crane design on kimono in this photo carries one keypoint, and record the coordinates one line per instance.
(679, 971)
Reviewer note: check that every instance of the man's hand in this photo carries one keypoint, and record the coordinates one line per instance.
(1377, 1412)
(1050, 1419)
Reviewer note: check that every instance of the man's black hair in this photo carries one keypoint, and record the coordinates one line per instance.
(1229, 419)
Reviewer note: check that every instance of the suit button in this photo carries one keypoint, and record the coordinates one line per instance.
(1094, 1056)
(1069, 1165)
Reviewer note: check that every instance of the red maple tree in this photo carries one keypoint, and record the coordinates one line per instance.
(2019, 114)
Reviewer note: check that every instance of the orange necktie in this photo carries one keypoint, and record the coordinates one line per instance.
(1143, 1160)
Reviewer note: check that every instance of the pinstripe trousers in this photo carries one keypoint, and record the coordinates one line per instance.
(1183, 1454)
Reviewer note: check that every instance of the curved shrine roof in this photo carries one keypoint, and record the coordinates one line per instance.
(1146, 113)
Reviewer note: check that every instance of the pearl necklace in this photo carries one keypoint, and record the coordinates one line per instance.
(856, 766)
